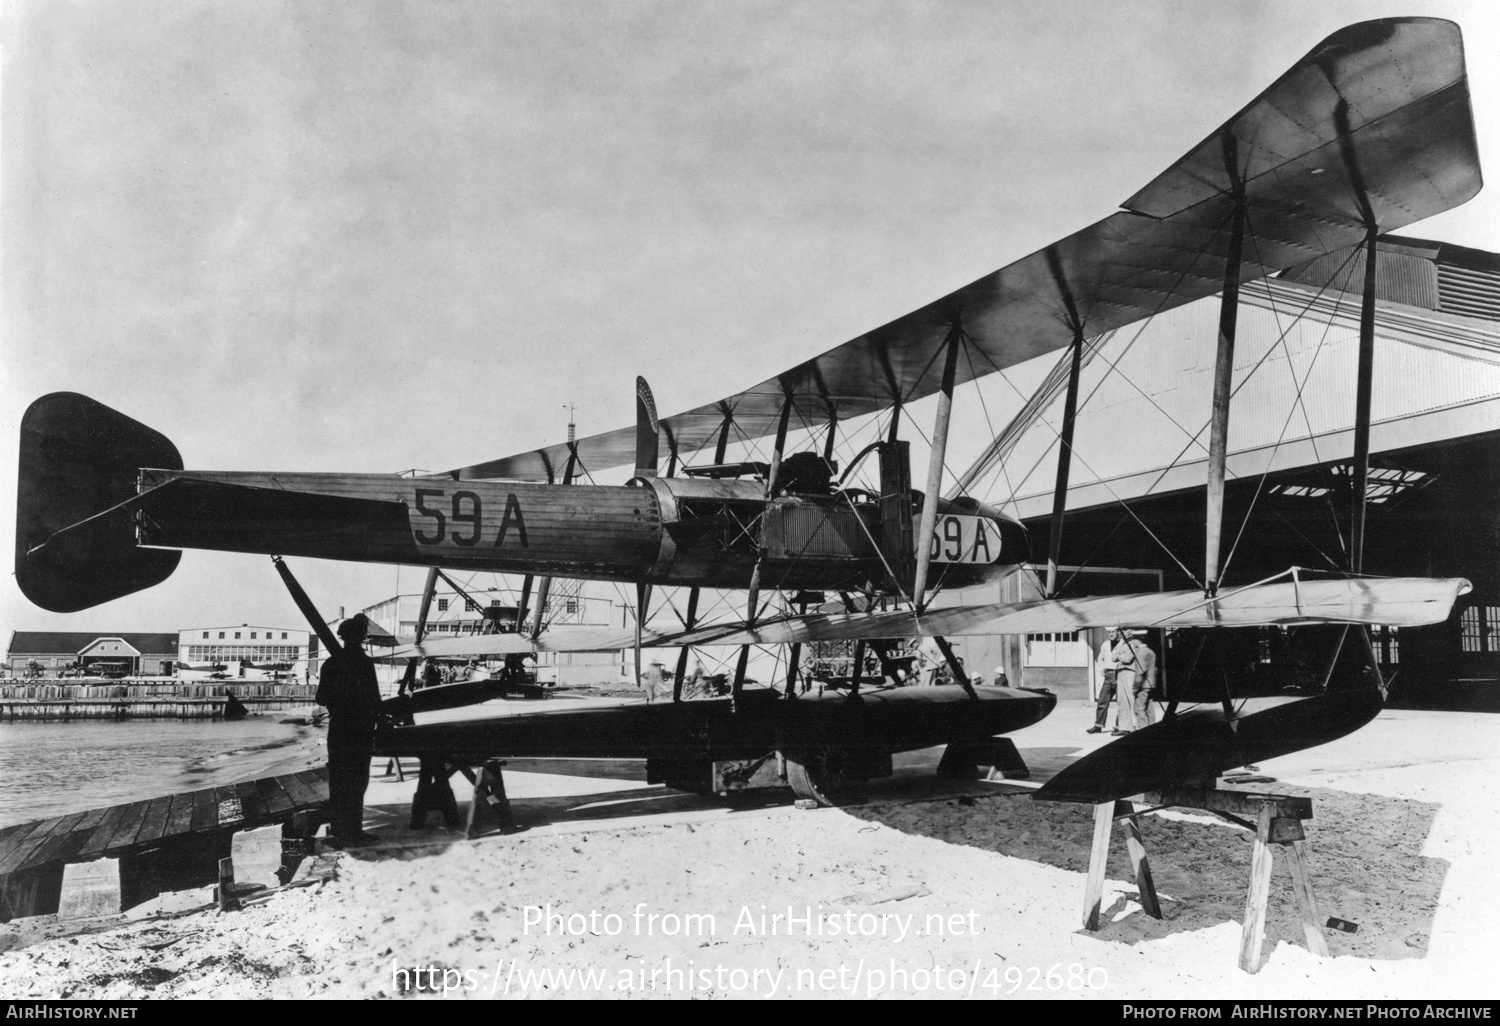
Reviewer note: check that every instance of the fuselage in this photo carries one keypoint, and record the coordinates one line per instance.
(661, 531)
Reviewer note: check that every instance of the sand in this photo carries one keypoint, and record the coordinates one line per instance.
(966, 889)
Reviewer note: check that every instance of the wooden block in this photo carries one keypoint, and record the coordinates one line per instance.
(224, 893)
(32, 892)
(1093, 892)
(1143, 881)
(1307, 901)
(90, 889)
(1259, 891)
(1005, 761)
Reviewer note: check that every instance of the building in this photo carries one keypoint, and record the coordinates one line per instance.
(1137, 495)
(49, 653)
(245, 650)
(569, 603)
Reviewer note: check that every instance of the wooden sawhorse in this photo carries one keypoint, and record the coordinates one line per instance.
(1275, 819)
(488, 810)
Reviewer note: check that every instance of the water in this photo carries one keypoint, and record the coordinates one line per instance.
(54, 769)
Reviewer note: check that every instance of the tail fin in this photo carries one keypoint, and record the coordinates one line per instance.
(80, 459)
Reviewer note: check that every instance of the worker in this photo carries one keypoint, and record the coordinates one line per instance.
(348, 689)
(1143, 661)
(1109, 671)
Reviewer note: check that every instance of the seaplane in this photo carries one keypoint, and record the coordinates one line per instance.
(1367, 133)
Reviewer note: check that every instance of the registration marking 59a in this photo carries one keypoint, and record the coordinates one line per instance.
(961, 538)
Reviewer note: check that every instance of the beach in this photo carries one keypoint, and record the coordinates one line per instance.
(929, 888)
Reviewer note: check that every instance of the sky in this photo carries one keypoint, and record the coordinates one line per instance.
(377, 236)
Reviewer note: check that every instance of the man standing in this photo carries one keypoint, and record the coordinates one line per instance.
(1108, 672)
(348, 688)
(1143, 660)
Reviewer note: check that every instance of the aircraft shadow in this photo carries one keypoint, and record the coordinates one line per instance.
(1363, 851)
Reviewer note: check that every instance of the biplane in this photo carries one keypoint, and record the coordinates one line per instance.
(203, 667)
(1367, 133)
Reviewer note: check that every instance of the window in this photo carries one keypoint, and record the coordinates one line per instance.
(1492, 628)
(252, 635)
(221, 635)
(283, 635)
(572, 606)
(236, 635)
(471, 606)
(1472, 630)
(205, 634)
(442, 605)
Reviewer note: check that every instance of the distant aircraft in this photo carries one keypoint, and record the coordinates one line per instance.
(1367, 133)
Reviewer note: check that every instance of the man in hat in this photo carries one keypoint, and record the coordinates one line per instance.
(1143, 661)
(348, 688)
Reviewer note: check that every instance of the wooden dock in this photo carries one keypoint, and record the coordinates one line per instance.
(175, 837)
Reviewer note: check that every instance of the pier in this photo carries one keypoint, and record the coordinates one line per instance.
(170, 842)
(163, 699)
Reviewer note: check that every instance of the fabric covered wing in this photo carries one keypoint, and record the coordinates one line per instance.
(1372, 125)
(1390, 601)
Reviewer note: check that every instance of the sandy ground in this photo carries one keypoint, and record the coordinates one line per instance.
(946, 887)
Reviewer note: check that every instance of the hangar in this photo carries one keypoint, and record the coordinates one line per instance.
(1140, 457)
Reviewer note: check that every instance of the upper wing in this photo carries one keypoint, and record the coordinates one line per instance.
(1389, 601)
(1372, 126)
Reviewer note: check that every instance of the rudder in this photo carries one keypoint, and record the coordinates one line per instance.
(78, 459)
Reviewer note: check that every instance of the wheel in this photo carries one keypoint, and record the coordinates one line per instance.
(826, 774)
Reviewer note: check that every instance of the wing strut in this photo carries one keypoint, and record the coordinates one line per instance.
(1070, 414)
(935, 471)
(1363, 390)
(1218, 439)
(688, 623)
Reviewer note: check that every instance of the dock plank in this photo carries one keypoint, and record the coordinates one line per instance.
(276, 798)
(130, 825)
(99, 838)
(44, 852)
(180, 815)
(302, 794)
(317, 780)
(205, 812)
(154, 824)
(226, 802)
(254, 806)
(11, 860)
(21, 833)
